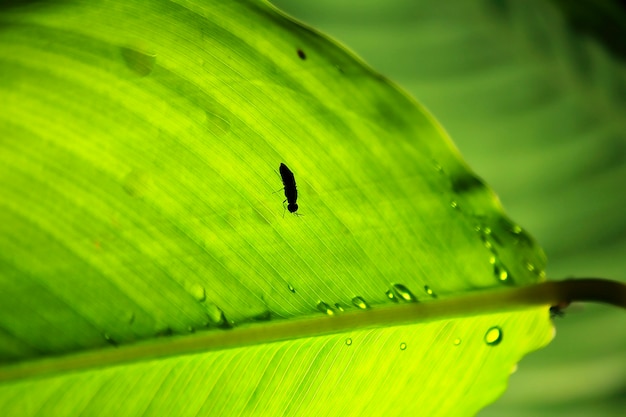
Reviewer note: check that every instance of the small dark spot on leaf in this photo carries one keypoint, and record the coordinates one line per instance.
(466, 183)
(301, 54)
(167, 331)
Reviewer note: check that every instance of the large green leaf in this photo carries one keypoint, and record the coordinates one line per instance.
(139, 156)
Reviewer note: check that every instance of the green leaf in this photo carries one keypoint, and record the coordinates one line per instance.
(147, 265)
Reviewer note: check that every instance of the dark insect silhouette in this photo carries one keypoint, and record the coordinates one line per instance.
(289, 184)
(558, 310)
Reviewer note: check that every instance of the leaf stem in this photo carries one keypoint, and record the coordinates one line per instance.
(483, 302)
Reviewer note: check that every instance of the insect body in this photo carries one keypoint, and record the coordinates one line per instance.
(289, 183)
(558, 310)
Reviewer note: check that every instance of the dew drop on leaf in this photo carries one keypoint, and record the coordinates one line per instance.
(501, 274)
(454, 204)
(217, 317)
(402, 346)
(403, 293)
(486, 241)
(493, 336)
(348, 341)
(391, 296)
(198, 292)
(291, 288)
(429, 291)
(360, 303)
(325, 308)
(457, 341)
(339, 307)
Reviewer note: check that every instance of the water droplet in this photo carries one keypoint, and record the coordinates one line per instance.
(325, 308)
(402, 346)
(198, 292)
(487, 230)
(520, 236)
(217, 317)
(500, 272)
(348, 341)
(291, 288)
(429, 291)
(215, 314)
(339, 307)
(454, 204)
(403, 293)
(530, 266)
(360, 303)
(391, 296)
(140, 62)
(457, 341)
(486, 241)
(493, 336)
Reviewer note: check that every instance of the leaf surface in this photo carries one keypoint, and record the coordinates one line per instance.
(139, 162)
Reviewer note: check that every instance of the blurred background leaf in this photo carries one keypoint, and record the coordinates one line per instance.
(533, 93)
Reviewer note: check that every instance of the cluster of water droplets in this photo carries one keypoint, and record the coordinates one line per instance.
(513, 235)
(401, 293)
(495, 232)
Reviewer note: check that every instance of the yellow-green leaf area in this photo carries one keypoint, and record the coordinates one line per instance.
(140, 200)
